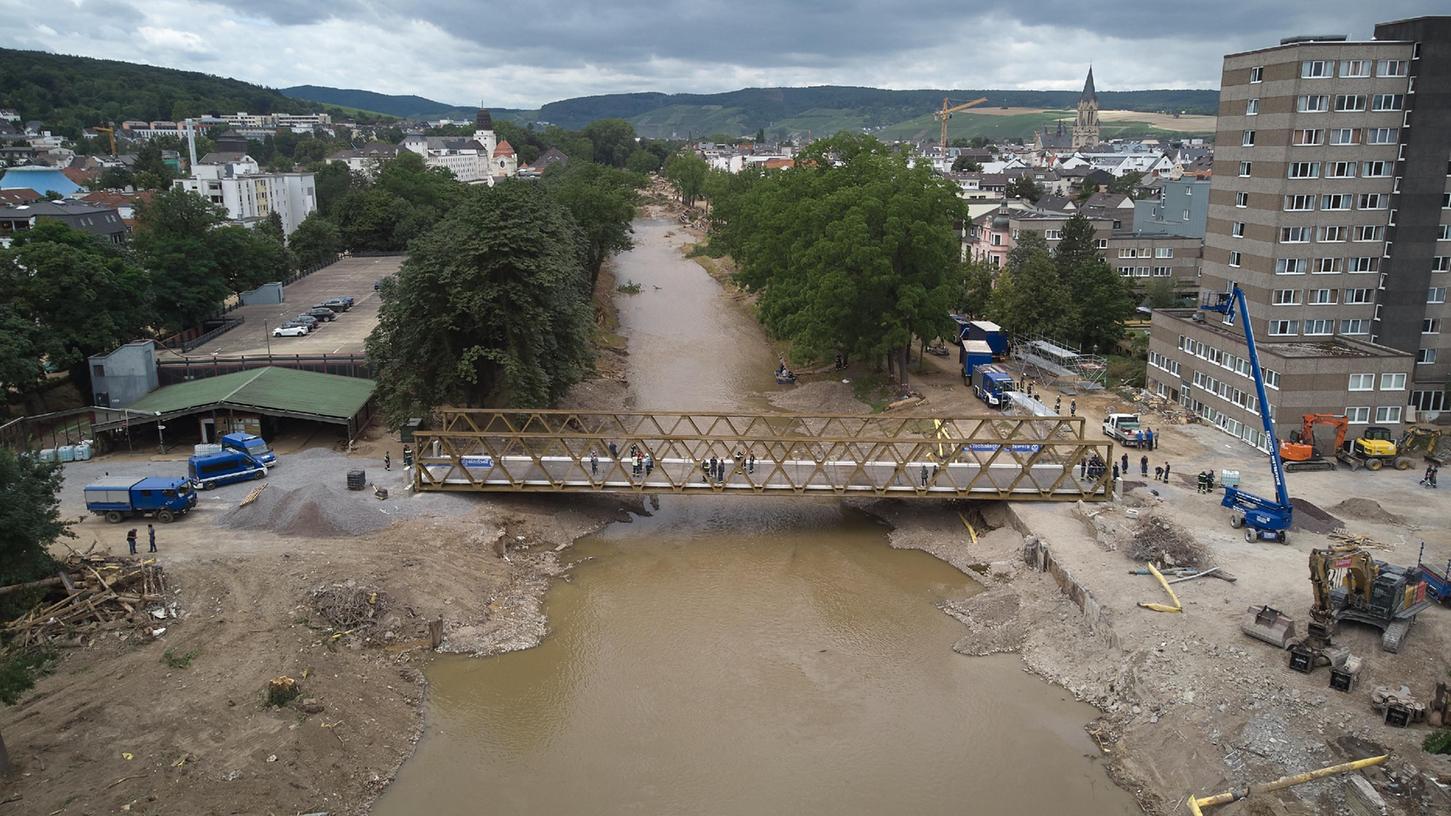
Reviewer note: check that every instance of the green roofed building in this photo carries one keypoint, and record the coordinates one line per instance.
(282, 393)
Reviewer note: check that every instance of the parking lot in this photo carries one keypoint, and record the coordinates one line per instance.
(345, 335)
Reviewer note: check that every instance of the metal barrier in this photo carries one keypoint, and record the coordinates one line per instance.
(170, 372)
(988, 458)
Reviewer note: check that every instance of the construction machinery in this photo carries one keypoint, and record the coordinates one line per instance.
(1302, 452)
(946, 113)
(1350, 585)
(111, 134)
(1431, 443)
(1263, 519)
(1373, 450)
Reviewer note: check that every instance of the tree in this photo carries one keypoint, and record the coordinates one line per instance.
(612, 140)
(507, 300)
(852, 250)
(246, 259)
(1028, 297)
(114, 178)
(1024, 187)
(171, 238)
(150, 170)
(332, 181)
(21, 368)
(643, 161)
(30, 517)
(272, 228)
(1127, 184)
(602, 202)
(1159, 293)
(368, 220)
(1104, 300)
(975, 296)
(964, 164)
(315, 241)
(687, 172)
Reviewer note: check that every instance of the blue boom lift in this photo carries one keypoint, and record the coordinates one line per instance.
(1263, 519)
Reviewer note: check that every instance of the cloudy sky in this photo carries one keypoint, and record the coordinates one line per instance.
(523, 54)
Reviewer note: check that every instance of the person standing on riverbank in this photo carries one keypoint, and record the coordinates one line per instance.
(1143, 466)
(1166, 473)
(131, 540)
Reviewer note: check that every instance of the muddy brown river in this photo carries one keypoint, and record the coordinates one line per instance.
(743, 655)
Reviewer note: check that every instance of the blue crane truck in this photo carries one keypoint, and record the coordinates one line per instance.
(991, 384)
(252, 445)
(120, 498)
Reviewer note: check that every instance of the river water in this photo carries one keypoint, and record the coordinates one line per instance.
(743, 655)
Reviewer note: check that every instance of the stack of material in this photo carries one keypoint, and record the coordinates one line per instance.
(103, 593)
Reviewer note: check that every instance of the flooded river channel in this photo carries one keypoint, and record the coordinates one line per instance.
(743, 655)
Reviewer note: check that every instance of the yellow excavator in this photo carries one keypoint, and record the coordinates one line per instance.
(1372, 450)
(1350, 585)
(1433, 444)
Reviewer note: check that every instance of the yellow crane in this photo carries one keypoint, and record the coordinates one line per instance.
(111, 133)
(948, 109)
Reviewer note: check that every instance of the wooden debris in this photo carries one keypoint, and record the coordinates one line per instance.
(252, 496)
(1364, 542)
(102, 593)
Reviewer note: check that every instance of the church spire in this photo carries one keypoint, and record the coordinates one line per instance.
(1088, 95)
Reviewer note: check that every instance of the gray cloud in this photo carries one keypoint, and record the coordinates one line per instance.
(523, 55)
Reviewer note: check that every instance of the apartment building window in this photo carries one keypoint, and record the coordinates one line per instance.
(1312, 103)
(1101, 243)
(1387, 102)
(1304, 170)
(1315, 69)
(1372, 201)
(1322, 297)
(1441, 263)
(1244, 169)
(1393, 382)
(1162, 271)
(1295, 235)
(1426, 356)
(1444, 234)
(1382, 135)
(1251, 107)
(1436, 294)
(1235, 258)
(1344, 136)
(1376, 169)
(1431, 325)
(1354, 68)
(1242, 200)
(1319, 327)
(1282, 328)
(1340, 169)
(1391, 68)
(997, 239)
(1353, 296)
(1363, 265)
(1289, 266)
(1287, 297)
(1388, 414)
(1369, 232)
(1052, 235)
(1128, 252)
(1332, 233)
(1446, 201)
(1336, 201)
(1429, 400)
(1327, 266)
(1163, 252)
(1309, 136)
(1296, 203)
(1358, 415)
(1257, 74)
(1236, 229)
(1355, 327)
(1350, 102)
(1247, 139)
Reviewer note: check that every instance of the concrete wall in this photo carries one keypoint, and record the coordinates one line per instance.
(264, 294)
(124, 375)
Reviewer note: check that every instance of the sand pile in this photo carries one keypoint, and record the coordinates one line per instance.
(1360, 509)
(822, 396)
(313, 510)
(1311, 519)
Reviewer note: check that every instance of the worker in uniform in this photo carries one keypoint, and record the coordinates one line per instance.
(131, 540)
(151, 536)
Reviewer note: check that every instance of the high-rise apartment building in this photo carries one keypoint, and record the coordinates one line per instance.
(1330, 207)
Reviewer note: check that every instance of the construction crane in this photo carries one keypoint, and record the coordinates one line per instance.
(110, 133)
(1264, 519)
(948, 109)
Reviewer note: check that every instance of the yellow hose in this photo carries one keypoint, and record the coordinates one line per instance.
(1196, 803)
(971, 533)
(1177, 607)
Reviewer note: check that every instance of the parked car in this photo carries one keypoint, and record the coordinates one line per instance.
(337, 304)
(294, 330)
(378, 284)
(325, 315)
(307, 320)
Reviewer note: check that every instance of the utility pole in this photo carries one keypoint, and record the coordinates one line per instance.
(267, 335)
(160, 440)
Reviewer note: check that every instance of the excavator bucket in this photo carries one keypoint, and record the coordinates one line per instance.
(1268, 624)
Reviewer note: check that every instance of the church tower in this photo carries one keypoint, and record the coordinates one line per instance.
(1085, 128)
(484, 133)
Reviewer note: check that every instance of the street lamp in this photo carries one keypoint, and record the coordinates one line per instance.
(160, 440)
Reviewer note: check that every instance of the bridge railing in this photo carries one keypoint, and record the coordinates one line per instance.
(987, 457)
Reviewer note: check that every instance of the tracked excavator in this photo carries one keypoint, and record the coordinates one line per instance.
(1350, 585)
(1302, 452)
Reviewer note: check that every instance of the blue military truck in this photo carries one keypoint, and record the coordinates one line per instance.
(972, 354)
(216, 469)
(991, 384)
(252, 445)
(117, 499)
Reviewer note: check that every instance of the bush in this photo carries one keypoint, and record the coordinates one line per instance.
(178, 661)
(628, 288)
(1438, 741)
(19, 670)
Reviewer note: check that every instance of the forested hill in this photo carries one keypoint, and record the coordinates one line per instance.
(406, 106)
(70, 93)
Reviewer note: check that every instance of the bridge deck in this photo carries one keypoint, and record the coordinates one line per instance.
(994, 457)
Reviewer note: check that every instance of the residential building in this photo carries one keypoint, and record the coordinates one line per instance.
(123, 202)
(102, 222)
(1144, 257)
(236, 182)
(549, 158)
(1181, 208)
(992, 235)
(1332, 212)
(40, 178)
(366, 159)
(472, 160)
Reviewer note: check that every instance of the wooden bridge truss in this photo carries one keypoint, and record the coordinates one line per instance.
(998, 457)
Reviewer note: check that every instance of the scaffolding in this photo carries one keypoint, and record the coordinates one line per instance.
(1050, 361)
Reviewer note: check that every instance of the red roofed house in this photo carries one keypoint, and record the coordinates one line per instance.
(505, 161)
(24, 195)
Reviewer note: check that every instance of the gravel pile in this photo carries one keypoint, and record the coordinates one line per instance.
(1366, 510)
(315, 510)
(1311, 519)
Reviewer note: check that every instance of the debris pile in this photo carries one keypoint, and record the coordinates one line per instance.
(102, 593)
(314, 510)
(348, 607)
(1360, 509)
(1161, 542)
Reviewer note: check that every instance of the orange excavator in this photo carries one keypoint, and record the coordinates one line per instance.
(1300, 452)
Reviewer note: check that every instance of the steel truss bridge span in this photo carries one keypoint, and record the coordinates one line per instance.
(997, 457)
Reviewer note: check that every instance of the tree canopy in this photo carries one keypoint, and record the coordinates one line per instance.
(602, 202)
(687, 172)
(172, 239)
(29, 522)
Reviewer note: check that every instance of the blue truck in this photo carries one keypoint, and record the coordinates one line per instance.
(991, 384)
(120, 498)
(252, 445)
(217, 469)
(973, 353)
(990, 333)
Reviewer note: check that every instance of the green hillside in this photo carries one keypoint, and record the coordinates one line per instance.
(70, 93)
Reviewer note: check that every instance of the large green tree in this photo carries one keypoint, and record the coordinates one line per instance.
(502, 283)
(1029, 299)
(171, 238)
(247, 258)
(29, 520)
(613, 140)
(852, 250)
(1100, 297)
(602, 201)
(314, 241)
(975, 295)
(687, 172)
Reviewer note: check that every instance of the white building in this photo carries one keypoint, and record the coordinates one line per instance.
(235, 182)
(479, 159)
